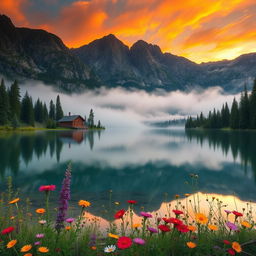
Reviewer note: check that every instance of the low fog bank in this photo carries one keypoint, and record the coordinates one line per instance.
(119, 107)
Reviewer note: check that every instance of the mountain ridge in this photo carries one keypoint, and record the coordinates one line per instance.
(107, 61)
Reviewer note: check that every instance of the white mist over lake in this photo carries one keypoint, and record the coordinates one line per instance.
(119, 107)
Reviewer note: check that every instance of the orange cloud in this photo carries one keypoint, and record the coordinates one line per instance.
(13, 8)
(200, 31)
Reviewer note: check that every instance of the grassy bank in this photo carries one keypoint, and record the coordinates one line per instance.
(184, 230)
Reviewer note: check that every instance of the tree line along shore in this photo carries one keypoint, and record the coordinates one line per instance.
(242, 114)
(22, 113)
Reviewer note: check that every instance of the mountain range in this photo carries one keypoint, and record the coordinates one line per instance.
(36, 54)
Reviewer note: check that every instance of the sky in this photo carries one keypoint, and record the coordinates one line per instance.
(202, 31)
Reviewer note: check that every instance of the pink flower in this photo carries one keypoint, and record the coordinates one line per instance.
(152, 230)
(177, 212)
(37, 243)
(39, 235)
(132, 202)
(182, 228)
(139, 241)
(232, 226)
(145, 215)
(227, 211)
(237, 214)
(70, 220)
(47, 188)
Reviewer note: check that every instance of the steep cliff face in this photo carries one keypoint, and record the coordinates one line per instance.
(37, 54)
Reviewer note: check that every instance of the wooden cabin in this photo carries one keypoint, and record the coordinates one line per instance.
(72, 121)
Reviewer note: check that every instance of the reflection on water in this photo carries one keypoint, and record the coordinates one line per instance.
(136, 164)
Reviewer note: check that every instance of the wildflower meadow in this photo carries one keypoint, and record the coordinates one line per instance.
(186, 228)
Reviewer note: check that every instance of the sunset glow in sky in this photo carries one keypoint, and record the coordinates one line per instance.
(202, 31)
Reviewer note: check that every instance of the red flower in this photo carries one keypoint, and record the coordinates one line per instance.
(237, 214)
(173, 221)
(177, 212)
(7, 230)
(119, 214)
(182, 228)
(226, 242)
(124, 242)
(47, 188)
(132, 202)
(231, 251)
(164, 228)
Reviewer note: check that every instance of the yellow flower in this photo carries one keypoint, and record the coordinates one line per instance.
(136, 225)
(213, 227)
(201, 218)
(192, 228)
(191, 245)
(14, 201)
(117, 203)
(43, 249)
(12, 217)
(236, 246)
(11, 244)
(246, 224)
(67, 227)
(113, 235)
(28, 254)
(40, 210)
(26, 248)
(84, 203)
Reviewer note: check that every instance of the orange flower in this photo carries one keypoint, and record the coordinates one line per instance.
(192, 228)
(67, 227)
(11, 244)
(40, 210)
(94, 248)
(136, 225)
(186, 195)
(12, 217)
(213, 227)
(84, 203)
(14, 201)
(113, 235)
(236, 246)
(201, 218)
(28, 254)
(246, 224)
(191, 245)
(26, 248)
(43, 249)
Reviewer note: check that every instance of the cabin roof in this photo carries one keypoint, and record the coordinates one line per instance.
(70, 118)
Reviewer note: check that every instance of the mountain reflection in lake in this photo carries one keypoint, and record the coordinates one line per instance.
(150, 165)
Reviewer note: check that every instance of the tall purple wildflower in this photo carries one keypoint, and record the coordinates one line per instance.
(63, 200)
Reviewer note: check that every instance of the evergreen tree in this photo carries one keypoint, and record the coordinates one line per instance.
(15, 122)
(252, 100)
(4, 104)
(244, 110)
(91, 119)
(59, 111)
(52, 114)
(14, 99)
(45, 113)
(39, 111)
(234, 115)
(226, 116)
(27, 111)
(99, 124)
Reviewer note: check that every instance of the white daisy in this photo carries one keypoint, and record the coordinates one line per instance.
(110, 248)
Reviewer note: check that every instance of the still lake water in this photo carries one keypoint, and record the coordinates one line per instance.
(148, 165)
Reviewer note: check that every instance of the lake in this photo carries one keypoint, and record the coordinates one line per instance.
(148, 165)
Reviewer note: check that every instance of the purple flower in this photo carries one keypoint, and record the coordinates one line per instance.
(152, 230)
(63, 200)
(145, 215)
(37, 243)
(227, 211)
(139, 241)
(232, 226)
(39, 235)
(70, 220)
